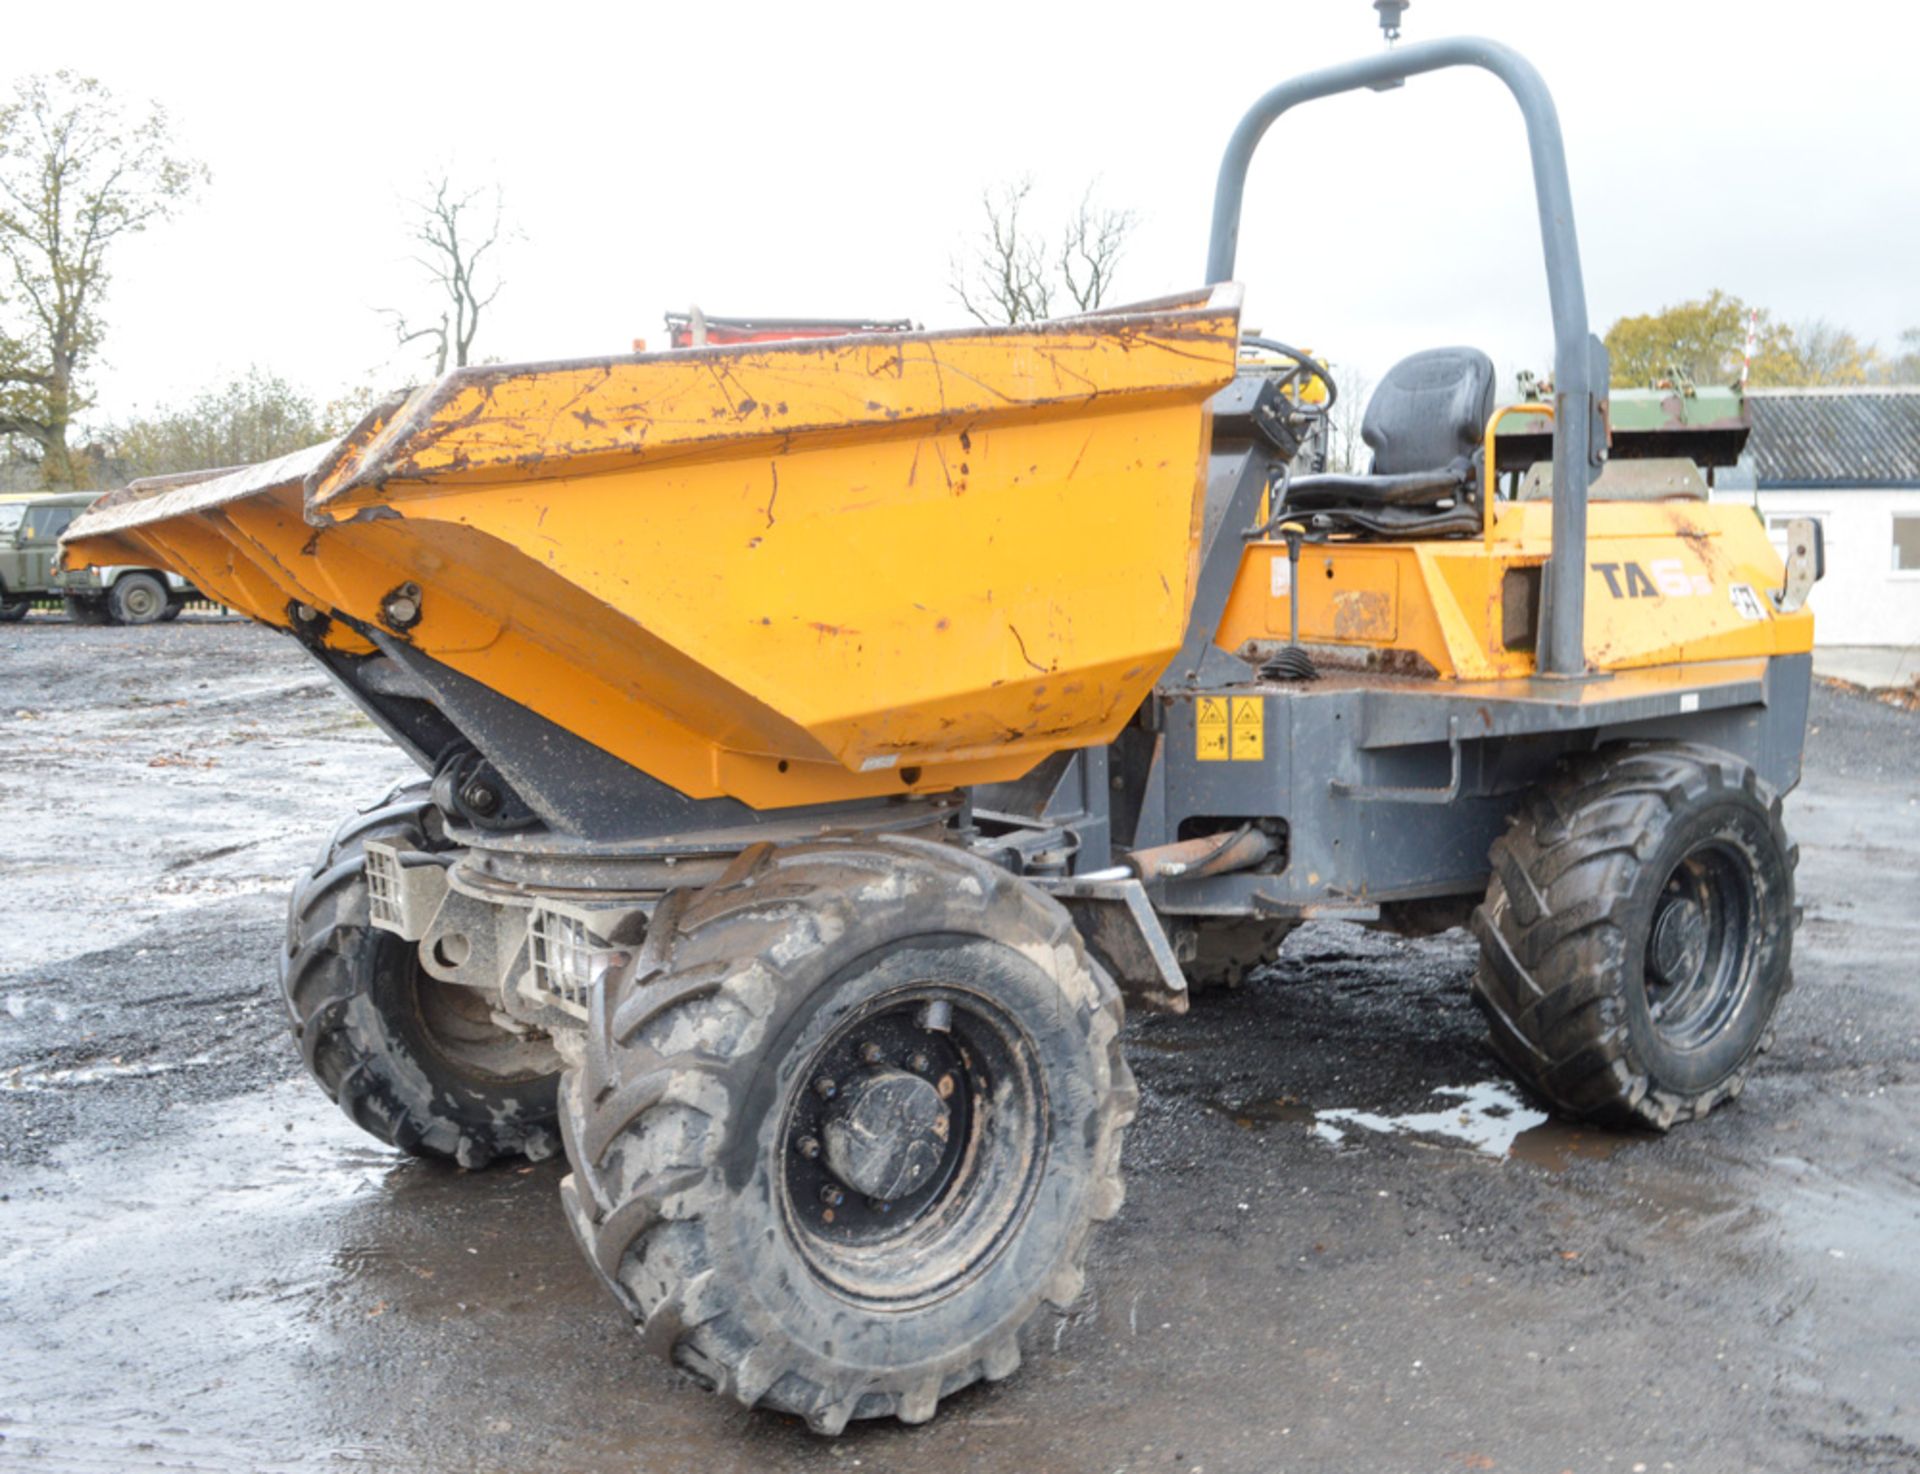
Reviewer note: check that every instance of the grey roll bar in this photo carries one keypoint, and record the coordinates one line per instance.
(1580, 369)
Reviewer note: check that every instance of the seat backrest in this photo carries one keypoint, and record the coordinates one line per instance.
(1431, 409)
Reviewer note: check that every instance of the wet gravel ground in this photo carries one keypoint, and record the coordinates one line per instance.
(203, 1266)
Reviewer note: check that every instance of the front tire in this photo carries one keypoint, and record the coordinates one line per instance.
(137, 598)
(12, 611)
(411, 1060)
(1637, 934)
(845, 1124)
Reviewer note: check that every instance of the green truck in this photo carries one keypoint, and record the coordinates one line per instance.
(30, 528)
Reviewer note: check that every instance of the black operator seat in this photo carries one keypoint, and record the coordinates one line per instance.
(1424, 426)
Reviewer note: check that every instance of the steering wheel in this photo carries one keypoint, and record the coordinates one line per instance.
(1300, 377)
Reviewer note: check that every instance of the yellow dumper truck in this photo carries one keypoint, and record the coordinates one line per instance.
(821, 739)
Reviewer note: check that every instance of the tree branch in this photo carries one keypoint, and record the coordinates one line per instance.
(451, 262)
(1008, 275)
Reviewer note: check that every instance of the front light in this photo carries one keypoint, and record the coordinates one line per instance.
(569, 960)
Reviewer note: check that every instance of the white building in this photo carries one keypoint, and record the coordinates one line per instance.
(1851, 459)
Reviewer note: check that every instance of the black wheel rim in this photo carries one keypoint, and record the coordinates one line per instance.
(931, 1204)
(457, 1023)
(1701, 946)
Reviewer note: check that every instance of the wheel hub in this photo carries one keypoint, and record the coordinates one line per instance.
(1678, 948)
(887, 1135)
(883, 1126)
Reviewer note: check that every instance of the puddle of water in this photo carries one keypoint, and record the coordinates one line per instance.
(1283, 1109)
(1485, 1117)
(1556, 1144)
(211, 1255)
(1488, 1118)
(153, 877)
(259, 1286)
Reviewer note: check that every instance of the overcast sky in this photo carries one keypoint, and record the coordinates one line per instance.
(825, 159)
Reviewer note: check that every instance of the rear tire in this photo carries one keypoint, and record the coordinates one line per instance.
(411, 1060)
(12, 611)
(1637, 934)
(137, 598)
(703, 1186)
(173, 611)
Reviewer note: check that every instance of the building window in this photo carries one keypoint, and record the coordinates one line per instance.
(1906, 542)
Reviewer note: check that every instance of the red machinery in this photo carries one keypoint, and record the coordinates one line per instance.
(695, 329)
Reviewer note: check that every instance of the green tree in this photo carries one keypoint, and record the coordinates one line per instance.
(1704, 339)
(77, 174)
(255, 418)
(349, 407)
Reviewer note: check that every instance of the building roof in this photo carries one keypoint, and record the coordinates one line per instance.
(1835, 438)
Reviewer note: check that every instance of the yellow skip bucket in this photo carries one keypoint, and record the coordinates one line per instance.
(784, 573)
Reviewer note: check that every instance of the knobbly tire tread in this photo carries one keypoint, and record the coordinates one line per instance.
(1554, 927)
(344, 1040)
(645, 1122)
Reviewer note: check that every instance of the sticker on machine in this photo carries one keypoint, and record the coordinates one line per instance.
(1249, 729)
(1212, 730)
(1746, 603)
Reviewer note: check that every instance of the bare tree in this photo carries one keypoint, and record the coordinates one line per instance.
(1346, 449)
(1090, 250)
(1825, 353)
(77, 173)
(1011, 273)
(454, 230)
(1904, 367)
(1004, 278)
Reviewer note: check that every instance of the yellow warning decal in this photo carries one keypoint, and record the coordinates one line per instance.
(1230, 728)
(1211, 728)
(1249, 729)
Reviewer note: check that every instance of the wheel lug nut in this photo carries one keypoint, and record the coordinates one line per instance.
(808, 1148)
(870, 1053)
(832, 1196)
(918, 1062)
(825, 1088)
